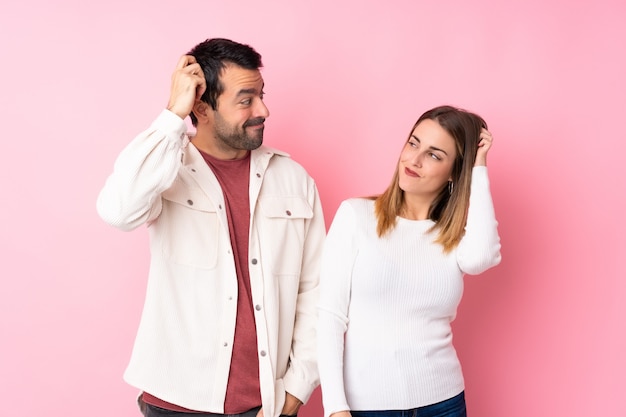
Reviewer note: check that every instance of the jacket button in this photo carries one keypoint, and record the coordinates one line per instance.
(190, 202)
(257, 307)
(258, 175)
(263, 353)
(288, 213)
(254, 261)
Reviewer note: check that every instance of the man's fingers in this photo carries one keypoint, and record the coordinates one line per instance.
(185, 61)
(194, 69)
(198, 75)
(200, 89)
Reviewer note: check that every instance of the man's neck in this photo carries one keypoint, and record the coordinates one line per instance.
(211, 146)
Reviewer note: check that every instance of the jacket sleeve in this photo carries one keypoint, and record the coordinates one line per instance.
(302, 376)
(144, 169)
(335, 286)
(479, 249)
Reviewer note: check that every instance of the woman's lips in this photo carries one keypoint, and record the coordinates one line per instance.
(411, 173)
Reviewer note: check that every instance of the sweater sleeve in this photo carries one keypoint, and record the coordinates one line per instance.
(144, 169)
(335, 282)
(479, 249)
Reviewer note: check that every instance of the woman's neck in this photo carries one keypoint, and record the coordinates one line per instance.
(415, 208)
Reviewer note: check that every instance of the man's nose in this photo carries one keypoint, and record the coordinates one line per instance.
(261, 110)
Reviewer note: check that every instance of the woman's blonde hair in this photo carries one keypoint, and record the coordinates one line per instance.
(449, 209)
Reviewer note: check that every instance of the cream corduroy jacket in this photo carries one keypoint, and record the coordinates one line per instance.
(183, 346)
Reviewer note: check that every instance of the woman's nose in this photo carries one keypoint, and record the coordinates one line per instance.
(417, 159)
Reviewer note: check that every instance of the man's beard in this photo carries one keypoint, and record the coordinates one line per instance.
(236, 137)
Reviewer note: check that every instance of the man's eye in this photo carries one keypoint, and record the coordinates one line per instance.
(246, 102)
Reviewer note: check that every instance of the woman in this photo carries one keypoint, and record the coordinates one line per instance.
(392, 275)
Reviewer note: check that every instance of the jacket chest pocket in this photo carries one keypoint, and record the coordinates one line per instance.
(190, 228)
(283, 227)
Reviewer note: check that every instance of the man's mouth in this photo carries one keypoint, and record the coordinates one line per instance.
(254, 122)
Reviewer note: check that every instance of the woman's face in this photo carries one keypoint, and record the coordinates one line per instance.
(426, 161)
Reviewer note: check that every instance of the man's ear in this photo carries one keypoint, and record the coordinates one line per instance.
(201, 110)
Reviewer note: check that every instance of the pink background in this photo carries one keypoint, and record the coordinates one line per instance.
(543, 334)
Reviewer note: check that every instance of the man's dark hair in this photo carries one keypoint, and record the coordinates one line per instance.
(214, 55)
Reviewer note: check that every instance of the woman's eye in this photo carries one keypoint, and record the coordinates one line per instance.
(435, 156)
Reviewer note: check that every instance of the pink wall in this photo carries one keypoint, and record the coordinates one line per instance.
(541, 335)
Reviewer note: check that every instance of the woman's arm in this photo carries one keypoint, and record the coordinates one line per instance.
(479, 249)
(335, 282)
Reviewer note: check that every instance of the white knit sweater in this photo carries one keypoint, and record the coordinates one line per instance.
(384, 335)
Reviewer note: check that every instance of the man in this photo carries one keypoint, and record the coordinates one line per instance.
(236, 231)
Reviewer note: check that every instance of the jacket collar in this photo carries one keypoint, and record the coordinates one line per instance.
(191, 155)
(197, 168)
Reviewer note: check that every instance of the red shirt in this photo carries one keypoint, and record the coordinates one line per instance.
(243, 391)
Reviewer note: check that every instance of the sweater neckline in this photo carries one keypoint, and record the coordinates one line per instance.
(425, 222)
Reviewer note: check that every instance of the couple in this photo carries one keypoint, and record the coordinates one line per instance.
(247, 297)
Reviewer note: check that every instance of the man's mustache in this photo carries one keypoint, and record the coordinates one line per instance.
(254, 122)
